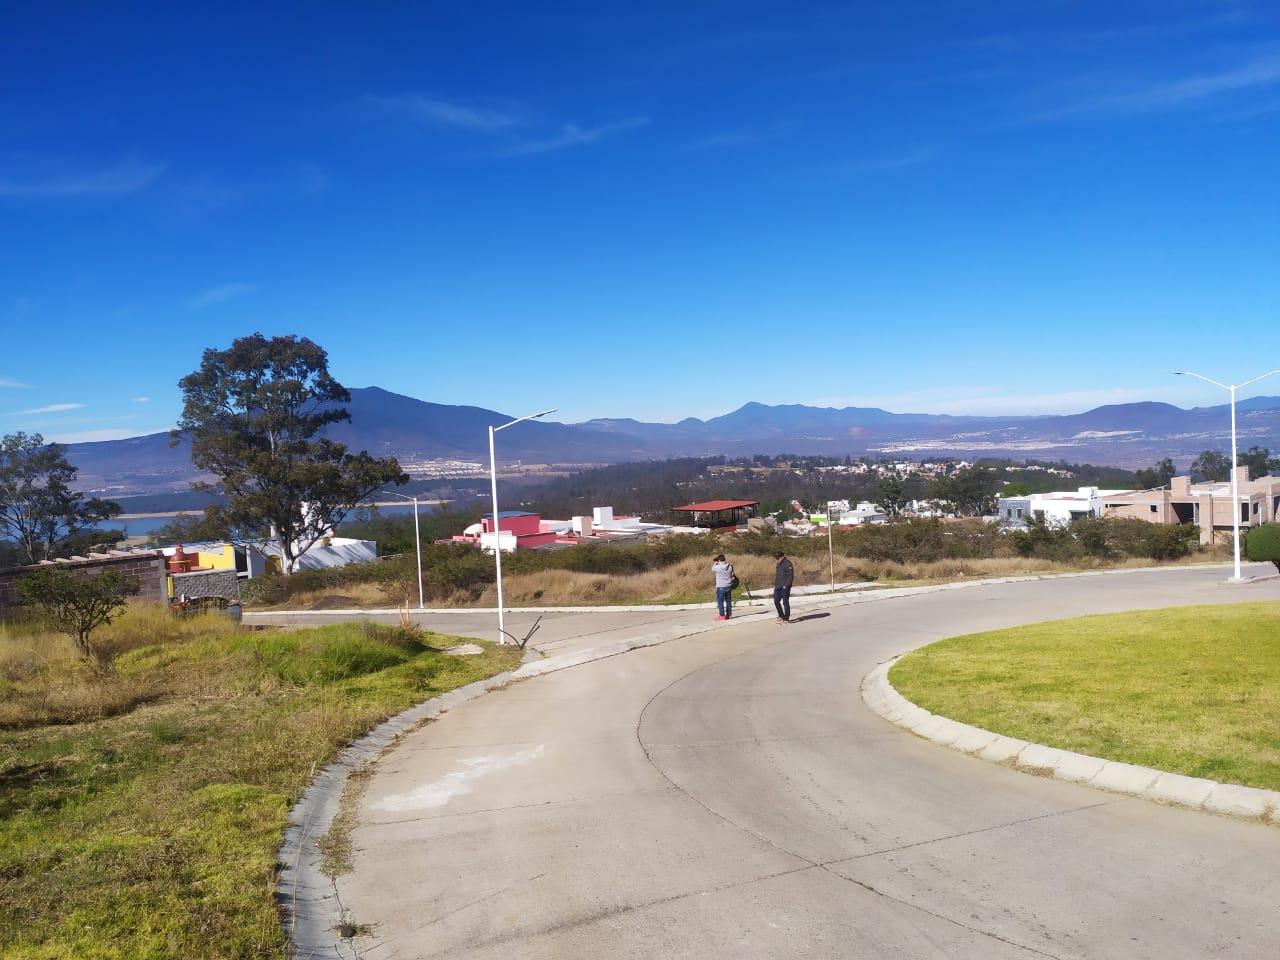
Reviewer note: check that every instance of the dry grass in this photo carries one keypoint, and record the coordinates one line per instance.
(141, 811)
(354, 595)
(690, 581)
(44, 681)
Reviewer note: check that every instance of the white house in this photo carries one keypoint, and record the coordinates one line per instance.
(1057, 508)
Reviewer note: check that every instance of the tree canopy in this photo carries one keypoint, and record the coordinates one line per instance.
(39, 510)
(254, 414)
(1157, 476)
(1211, 465)
(1259, 461)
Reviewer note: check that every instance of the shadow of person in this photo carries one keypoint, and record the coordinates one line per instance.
(809, 616)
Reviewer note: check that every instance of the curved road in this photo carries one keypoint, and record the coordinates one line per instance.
(729, 795)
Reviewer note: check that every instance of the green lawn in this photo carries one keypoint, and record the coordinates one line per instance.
(1195, 690)
(140, 813)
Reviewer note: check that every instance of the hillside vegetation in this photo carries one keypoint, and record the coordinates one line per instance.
(141, 810)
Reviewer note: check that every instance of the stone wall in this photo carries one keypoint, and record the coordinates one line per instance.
(146, 566)
(207, 583)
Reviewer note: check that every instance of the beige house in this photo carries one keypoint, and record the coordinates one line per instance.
(1207, 505)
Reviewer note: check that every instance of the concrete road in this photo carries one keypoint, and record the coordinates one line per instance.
(729, 795)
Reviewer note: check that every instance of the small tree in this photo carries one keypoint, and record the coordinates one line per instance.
(1157, 476)
(1259, 461)
(38, 509)
(77, 605)
(892, 495)
(1263, 544)
(1211, 466)
(970, 490)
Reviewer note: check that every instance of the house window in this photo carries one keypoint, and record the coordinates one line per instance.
(1154, 508)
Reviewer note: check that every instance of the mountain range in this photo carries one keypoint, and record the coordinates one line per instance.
(416, 431)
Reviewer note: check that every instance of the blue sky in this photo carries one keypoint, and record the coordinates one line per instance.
(651, 211)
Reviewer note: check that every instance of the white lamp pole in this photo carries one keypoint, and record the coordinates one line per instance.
(497, 529)
(417, 543)
(1231, 388)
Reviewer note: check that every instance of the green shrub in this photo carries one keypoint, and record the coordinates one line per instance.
(1263, 544)
(329, 654)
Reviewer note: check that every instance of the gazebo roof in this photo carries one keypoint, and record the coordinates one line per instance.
(712, 506)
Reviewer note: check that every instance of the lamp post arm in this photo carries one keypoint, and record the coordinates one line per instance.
(1261, 376)
(1201, 376)
(532, 416)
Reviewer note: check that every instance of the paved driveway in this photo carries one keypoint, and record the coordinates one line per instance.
(729, 795)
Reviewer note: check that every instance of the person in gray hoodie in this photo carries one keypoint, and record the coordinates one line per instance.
(723, 571)
(784, 575)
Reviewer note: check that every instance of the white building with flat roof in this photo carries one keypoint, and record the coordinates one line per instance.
(1057, 508)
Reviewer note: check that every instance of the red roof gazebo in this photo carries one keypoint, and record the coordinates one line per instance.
(718, 513)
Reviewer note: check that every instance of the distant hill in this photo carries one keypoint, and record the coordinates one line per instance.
(386, 423)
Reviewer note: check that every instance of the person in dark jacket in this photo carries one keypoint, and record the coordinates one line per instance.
(784, 575)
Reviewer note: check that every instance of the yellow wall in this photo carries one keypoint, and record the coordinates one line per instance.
(226, 560)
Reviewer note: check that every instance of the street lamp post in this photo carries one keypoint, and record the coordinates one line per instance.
(417, 543)
(831, 552)
(497, 530)
(1231, 388)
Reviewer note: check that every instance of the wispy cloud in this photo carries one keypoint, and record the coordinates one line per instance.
(735, 138)
(886, 162)
(128, 176)
(15, 384)
(51, 408)
(571, 135)
(1183, 93)
(220, 294)
(435, 112)
(141, 399)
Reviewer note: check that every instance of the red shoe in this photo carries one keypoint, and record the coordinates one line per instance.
(721, 618)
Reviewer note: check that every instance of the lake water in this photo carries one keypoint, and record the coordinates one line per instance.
(144, 526)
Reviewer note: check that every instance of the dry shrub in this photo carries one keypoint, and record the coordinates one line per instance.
(44, 680)
(77, 697)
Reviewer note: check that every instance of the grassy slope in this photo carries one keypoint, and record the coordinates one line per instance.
(1193, 690)
(152, 830)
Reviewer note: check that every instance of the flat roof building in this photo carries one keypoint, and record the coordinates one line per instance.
(1207, 505)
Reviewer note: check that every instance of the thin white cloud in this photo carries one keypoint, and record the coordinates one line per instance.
(128, 176)
(571, 135)
(435, 112)
(220, 294)
(14, 384)
(1187, 92)
(141, 399)
(51, 408)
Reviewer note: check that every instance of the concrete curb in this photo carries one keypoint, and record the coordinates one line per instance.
(1113, 776)
(310, 908)
(762, 600)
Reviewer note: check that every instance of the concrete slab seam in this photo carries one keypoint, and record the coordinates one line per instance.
(1113, 776)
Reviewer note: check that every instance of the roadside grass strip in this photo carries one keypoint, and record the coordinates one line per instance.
(1192, 691)
(141, 811)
